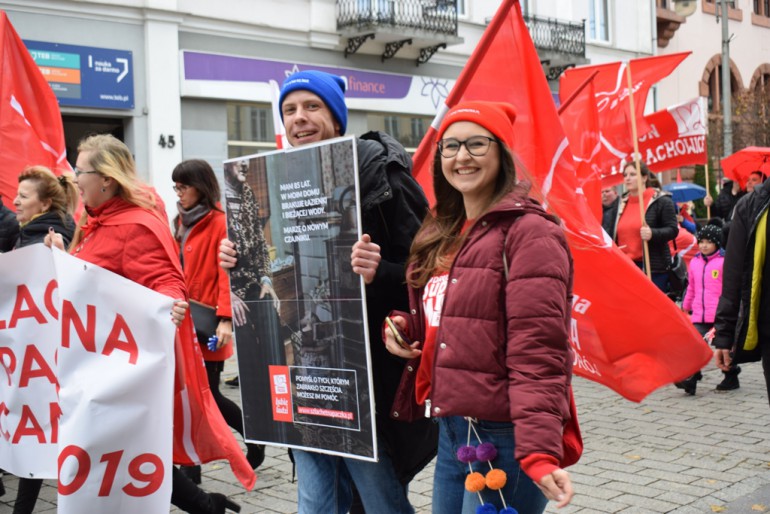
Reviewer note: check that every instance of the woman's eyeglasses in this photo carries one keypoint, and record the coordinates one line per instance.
(79, 172)
(181, 188)
(476, 146)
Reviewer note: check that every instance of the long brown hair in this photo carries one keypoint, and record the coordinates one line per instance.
(61, 191)
(440, 236)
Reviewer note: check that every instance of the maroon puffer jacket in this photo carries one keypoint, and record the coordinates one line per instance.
(502, 349)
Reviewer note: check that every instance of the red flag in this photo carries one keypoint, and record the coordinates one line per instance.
(31, 131)
(580, 121)
(200, 432)
(612, 99)
(626, 334)
(677, 136)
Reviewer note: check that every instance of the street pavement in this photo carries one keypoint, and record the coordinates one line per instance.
(670, 453)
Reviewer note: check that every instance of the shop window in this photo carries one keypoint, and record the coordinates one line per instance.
(407, 129)
(249, 129)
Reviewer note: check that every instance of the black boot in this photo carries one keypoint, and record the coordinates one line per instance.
(730, 381)
(255, 454)
(26, 496)
(192, 472)
(690, 383)
(233, 382)
(2, 487)
(190, 498)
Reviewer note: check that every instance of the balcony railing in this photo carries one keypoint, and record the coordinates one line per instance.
(557, 36)
(435, 16)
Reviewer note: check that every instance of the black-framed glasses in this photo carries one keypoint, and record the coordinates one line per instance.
(181, 188)
(476, 146)
(79, 172)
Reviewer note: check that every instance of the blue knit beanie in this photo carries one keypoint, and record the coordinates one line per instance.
(329, 88)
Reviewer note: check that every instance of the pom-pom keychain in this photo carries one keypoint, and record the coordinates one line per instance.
(486, 508)
(486, 451)
(496, 479)
(475, 482)
(466, 454)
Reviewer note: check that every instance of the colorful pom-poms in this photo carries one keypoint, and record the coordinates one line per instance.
(509, 510)
(486, 508)
(466, 454)
(486, 451)
(496, 479)
(475, 482)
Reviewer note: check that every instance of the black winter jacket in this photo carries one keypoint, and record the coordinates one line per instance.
(9, 228)
(733, 310)
(660, 216)
(393, 207)
(36, 230)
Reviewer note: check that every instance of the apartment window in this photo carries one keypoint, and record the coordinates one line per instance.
(762, 7)
(716, 90)
(391, 126)
(249, 129)
(598, 20)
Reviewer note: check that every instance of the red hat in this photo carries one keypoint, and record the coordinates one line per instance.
(496, 117)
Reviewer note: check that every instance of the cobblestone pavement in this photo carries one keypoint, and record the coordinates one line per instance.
(670, 453)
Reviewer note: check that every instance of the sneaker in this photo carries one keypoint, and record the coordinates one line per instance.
(233, 382)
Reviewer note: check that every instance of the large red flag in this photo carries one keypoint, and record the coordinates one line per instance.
(580, 121)
(612, 102)
(31, 130)
(626, 333)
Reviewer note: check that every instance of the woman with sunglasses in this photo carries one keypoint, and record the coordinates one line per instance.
(490, 289)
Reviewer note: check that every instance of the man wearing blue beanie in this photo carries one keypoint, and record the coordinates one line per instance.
(392, 205)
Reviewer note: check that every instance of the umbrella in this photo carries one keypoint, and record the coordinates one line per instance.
(685, 191)
(739, 165)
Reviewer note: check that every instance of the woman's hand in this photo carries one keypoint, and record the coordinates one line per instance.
(52, 239)
(396, 349)
(708, 201)
(557, 486)
(365, 258)
(228, 257)
(178, 311)
(224, 332)
(722, 359)
(267, 289)
(645, 232)
(239, 310)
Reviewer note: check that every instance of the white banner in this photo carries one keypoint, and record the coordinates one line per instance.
(115, 371)
(29, 337)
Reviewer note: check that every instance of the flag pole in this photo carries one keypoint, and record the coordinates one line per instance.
(708, 191)
(645, 245)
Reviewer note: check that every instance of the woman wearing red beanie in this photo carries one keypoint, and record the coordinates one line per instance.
(490, 278)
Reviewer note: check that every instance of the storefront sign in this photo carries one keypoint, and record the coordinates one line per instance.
(86, 76)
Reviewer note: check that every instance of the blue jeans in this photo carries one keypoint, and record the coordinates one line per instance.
(324, 484)
(449, 494)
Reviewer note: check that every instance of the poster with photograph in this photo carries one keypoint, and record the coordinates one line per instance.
(298, 309)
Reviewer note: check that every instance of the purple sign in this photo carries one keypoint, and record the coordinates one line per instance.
(225, 68)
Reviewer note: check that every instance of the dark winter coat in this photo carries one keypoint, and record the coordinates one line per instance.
(733, 310)
(36, 230)
(9, 228)
(725, 202)
(393, 207)
(660, 216)
(502, 347)
(610, 216)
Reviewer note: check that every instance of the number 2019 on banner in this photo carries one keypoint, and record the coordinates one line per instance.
(153, 479)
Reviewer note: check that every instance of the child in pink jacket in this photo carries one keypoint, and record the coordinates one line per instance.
(704, 288)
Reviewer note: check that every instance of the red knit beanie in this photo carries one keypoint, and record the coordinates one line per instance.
(496, 117)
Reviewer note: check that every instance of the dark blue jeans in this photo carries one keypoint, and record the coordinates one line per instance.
(324, 484)
(659, 279)
(449, 494)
